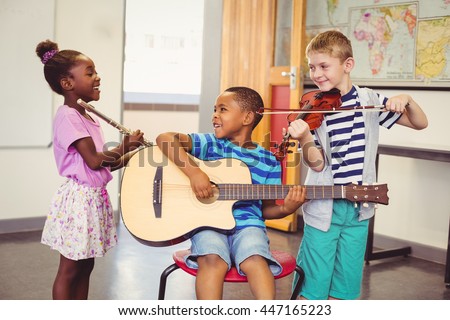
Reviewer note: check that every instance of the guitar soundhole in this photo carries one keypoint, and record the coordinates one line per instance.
(212, 199)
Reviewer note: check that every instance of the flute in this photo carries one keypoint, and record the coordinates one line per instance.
(110, 121)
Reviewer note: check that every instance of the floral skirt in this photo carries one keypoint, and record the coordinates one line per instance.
(80, 224)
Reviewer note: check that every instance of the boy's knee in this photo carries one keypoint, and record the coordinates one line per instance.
(252, 261)
(211, 261)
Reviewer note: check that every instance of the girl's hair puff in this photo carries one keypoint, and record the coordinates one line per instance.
(58, 65)
(333, 43)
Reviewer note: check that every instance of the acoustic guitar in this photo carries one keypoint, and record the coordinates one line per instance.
(159, 208)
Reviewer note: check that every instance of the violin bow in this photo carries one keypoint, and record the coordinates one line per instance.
(354, 109)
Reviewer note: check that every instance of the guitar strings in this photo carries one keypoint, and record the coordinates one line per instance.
(241, 191)
(182, 191)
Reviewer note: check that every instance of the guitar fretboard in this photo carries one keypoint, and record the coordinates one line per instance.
(275, 191)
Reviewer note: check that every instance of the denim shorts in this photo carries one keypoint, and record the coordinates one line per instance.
(233, 248)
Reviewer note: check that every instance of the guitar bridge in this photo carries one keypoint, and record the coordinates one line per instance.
(157, 192)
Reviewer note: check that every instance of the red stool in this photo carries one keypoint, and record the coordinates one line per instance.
(286, 260)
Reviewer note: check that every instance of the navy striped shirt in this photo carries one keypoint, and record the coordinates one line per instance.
(347, 139)
(264, 169)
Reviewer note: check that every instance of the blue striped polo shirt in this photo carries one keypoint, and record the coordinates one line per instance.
(347, 139)
(264, 169)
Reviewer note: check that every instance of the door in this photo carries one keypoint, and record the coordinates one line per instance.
(286, 89)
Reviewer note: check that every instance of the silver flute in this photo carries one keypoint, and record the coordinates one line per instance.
(110, 121)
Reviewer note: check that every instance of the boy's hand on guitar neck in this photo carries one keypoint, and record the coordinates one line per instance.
(294, 199)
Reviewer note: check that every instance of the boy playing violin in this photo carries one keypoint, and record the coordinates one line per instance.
(341, 151)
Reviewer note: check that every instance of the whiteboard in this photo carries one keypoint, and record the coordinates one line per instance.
(26, 98)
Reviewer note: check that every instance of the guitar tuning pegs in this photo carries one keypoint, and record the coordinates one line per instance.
(365, 205)
(375, 205)
(356, 205)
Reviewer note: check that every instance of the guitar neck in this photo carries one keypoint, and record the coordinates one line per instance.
(275, 191)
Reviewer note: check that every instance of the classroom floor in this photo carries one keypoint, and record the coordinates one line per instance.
(131, 271)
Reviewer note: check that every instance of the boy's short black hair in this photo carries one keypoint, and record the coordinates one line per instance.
(249, 100)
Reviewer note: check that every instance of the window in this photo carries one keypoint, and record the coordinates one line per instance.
(163, 51)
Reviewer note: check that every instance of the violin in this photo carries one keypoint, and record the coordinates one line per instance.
(315, 100)
(313, 107)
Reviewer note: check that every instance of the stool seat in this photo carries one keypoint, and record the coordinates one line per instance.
(286, 260)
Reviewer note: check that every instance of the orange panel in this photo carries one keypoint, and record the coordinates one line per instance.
(280, 100)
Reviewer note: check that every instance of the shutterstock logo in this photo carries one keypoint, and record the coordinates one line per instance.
(153, 156)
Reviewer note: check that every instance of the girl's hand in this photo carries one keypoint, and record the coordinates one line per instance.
(133, 141)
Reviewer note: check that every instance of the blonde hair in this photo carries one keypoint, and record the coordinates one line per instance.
(333, 43)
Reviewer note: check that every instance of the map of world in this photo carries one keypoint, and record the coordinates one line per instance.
(392, 41)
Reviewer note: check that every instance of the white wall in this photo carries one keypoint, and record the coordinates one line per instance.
(28, 175)
(152, 123)
(419, 190)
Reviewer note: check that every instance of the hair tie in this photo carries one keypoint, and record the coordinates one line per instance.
(48, 55)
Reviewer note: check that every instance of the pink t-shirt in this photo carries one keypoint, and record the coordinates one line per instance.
(68, 126)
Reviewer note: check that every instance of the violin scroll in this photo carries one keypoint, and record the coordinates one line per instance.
(282, 148)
